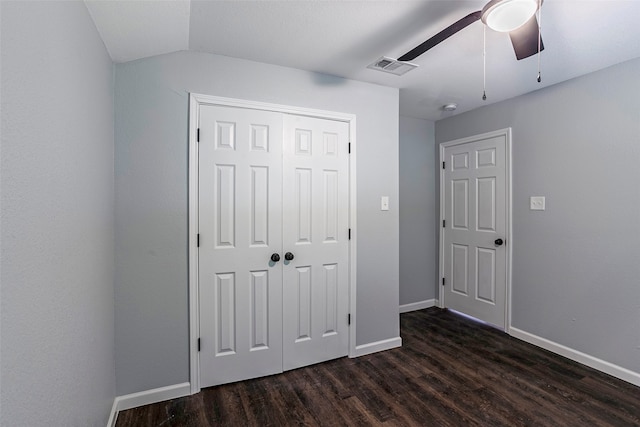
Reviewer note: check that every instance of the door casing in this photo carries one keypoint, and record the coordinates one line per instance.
(508, 197)
(195, 101)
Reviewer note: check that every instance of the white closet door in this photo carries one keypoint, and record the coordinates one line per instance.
(240, 158)
(315, 232)
(271, 183)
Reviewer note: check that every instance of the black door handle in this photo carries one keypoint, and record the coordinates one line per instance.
(499, 242)
(275, 257)
(288, 256)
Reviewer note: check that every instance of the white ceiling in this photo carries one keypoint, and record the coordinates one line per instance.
(343, 37)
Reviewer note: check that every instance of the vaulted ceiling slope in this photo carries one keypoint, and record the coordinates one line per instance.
(343, 37)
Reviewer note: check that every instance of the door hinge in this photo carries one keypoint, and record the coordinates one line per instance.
(198, 344)
(198, 135)
(349, 234)
(349, 319)
(443, 165)
(349, 148)
(444, 221)
(198, 240)
(443, 281)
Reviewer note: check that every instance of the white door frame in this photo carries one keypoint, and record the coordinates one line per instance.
(509, 235)
(195, 101)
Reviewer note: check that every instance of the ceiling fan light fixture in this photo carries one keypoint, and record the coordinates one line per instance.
(508, 15)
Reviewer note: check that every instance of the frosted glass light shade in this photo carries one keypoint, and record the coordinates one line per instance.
(508, 15)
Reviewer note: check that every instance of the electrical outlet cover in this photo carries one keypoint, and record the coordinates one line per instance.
(537, 203)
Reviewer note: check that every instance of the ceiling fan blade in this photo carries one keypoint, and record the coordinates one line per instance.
(525, 39)
(442, 35)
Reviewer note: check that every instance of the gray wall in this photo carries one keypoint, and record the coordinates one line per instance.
(57, 218)
(575, 266)
(151, 199)
(418, 211)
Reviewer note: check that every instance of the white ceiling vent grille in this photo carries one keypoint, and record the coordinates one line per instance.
(389, 65)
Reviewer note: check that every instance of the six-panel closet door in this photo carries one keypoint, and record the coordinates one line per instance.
(316, 232)
(240, 226)
(273, 254)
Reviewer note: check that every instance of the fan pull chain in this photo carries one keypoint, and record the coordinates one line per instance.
(539, 37)
(484, 62)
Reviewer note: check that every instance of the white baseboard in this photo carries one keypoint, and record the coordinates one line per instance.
(575, 355)
(404, 308)
(113, 416)
(147, 397)
(374, 347)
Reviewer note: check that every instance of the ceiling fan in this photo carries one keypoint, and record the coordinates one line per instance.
(517, 17)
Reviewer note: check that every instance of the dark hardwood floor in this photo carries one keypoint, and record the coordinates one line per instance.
(450, 371)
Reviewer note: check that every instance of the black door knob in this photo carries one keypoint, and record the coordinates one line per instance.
(499, 242)
(275, 257)
(288, 256)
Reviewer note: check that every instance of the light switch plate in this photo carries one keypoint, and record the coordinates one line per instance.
(536, 203)
(384, 203)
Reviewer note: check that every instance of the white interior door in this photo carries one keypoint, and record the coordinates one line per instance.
(475, 229)
(257, 316)
(316, 233)
(240, 289)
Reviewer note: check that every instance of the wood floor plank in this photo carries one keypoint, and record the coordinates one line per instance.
(450, 371)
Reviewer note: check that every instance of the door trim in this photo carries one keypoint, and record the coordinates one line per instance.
(508, 197)
(195, 101)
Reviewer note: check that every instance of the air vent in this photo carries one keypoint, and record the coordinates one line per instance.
(389, 65)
